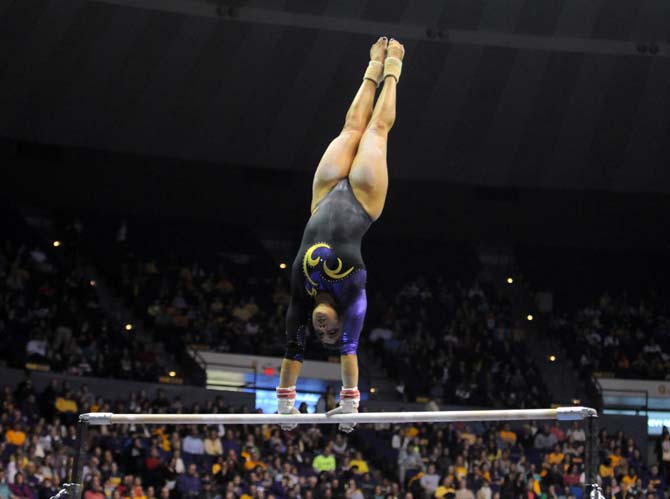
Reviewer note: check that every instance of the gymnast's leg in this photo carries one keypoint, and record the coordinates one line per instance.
(336, 161)
(369, 175)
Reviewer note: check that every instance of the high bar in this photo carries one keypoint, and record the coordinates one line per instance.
(558, 413)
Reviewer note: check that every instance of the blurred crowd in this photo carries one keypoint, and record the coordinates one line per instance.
(50, 315)
(225, 308)
(469, 348)
(617, 335)
(384, 461)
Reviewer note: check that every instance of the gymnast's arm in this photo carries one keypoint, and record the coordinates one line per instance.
(295, 342)
(290, 367)
(290, 370)
(349, 364)
(352, 324)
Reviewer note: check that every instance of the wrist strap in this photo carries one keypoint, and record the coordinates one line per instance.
(286, 393)
(350, 393)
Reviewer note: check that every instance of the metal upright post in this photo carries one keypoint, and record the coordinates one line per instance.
(75, 486)
(592, 489)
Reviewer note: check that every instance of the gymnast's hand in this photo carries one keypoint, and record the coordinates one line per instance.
(350, 398)
(285, 402)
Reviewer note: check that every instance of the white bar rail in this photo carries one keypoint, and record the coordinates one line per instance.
(558, 413)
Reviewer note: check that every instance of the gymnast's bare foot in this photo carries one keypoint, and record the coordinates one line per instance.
(378, 50)
(395, 49)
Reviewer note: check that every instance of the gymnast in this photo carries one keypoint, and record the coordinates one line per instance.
(348, 193)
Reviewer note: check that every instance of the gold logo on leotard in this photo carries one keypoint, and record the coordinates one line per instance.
(310, 261)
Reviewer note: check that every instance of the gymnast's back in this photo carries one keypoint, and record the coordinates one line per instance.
(340, 221)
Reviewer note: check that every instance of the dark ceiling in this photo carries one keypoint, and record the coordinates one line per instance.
(553, 94)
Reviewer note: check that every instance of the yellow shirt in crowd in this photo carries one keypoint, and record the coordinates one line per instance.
(362, 465)
(556, 457)
(15, 437)
(507, 436)
(627, 481)
(65, 405)
(606, 471)
(442, 491)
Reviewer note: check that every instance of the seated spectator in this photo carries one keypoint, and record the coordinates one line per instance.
(353, 491)
(616, 458)
(66, 407)
(213, 447)
(15, 435)
(360, 464)
(485, 491)
(557, 431)
(606, 470)
(137, 490)
(430, 481)
(231, 443)
(20, 489)
(48, 488)
(629, 480)
(193, 447)
(556, 456)
(656, 480)
(189, 484)
(409, 461)
(576, 432)
(464, 492)
(253, 460)
(340, 445)
(4, 486)
(324, 461)
(544, 439)
(507, 435)
(446, 489)
(94, 490)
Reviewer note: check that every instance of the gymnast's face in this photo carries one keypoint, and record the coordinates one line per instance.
(326, 323)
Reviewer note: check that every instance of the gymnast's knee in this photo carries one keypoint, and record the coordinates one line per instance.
(354, 127)
(380, 127)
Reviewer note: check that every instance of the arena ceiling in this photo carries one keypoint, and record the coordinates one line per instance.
(569, 94)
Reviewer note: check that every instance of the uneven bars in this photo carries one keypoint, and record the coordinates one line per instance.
(558, 413)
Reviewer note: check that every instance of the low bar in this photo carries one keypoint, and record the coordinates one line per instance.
(558, 413)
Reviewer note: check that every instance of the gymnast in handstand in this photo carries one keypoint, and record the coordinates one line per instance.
(348, 193)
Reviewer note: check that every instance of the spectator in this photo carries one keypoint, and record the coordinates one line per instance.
(15, 435)
(94, 490)
(360, 464)
(253, 460)
(212, 444)
(48, 488)
(207, 491)
(544, 439)
(20, 489)
(656, 480)
(353, 491)
(189, 484)
(409, 461)
(446, 489)
(324, 461)
(4, 486)
(485, 491)
(629, 480)
(340, 445)
(507, 435)
(193, 447)
(463, 492)
(430, 481)
(665, 456)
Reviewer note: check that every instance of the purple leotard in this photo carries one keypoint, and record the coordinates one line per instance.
(330, 260)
